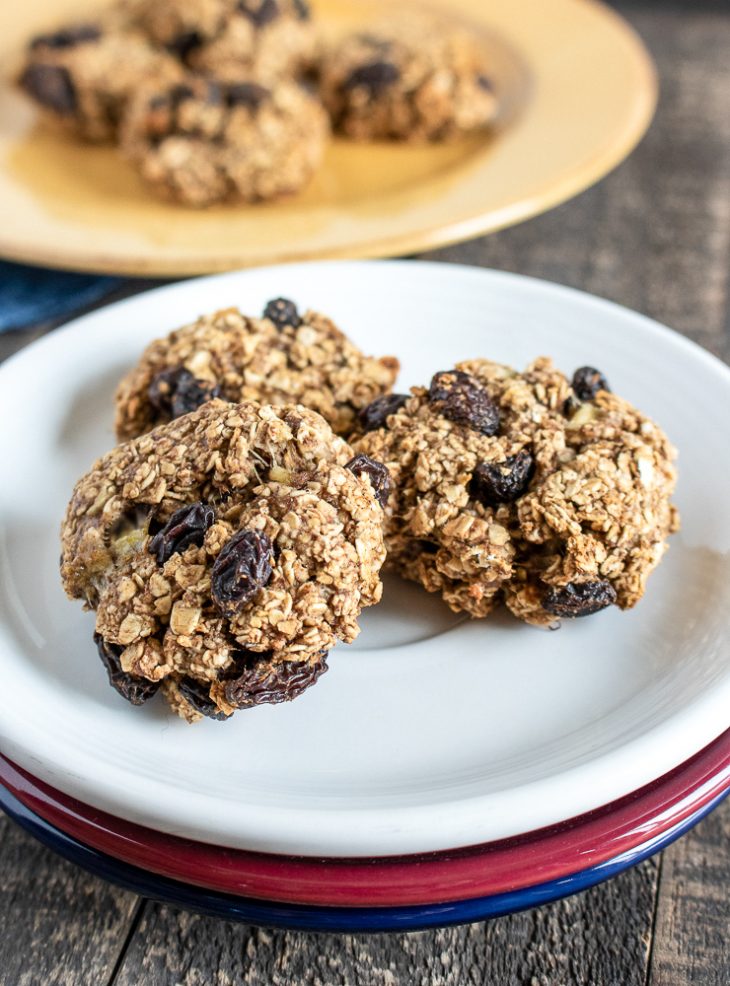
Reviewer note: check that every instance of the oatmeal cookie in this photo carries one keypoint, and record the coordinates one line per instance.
(224, 554)
(203, 141)
(551, 496)
(280, 358)
(264, 40)
(83, 75)
(411, 77)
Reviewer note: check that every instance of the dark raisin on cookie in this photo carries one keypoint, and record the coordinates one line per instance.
(184, 44)
(377, 473)
(135, 689)
(240, 570)
(258, 681)
(376, 414)
(177, 392)
(178, 94)
(247, 94)
(493, 483)
(282, 312)
(460, 397)
(261, 13)
(52, 87)
(186, 526)
(579, 598)
(374, 77)
(197, 694)
(67, 37)
(485, 83)
(587, 381)
(162, 117)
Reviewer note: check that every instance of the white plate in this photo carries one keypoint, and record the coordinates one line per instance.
(431, 731)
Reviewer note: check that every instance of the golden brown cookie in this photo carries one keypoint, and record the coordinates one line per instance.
(263, 40)
(411, 77)
(523, 487)
(224, 554)
(202, 141)
(280, 358)
(82, 75)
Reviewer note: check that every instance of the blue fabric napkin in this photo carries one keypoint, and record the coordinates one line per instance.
(33, 294)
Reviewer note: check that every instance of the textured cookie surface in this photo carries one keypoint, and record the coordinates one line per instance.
(263, 39)
(224, 553)
(201, 141)
(522, 487)
(83, 75)
(281, 358)
(411, 77)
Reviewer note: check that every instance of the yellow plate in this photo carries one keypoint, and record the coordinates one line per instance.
(579, 91)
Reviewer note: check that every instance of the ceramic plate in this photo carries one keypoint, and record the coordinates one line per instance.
(431, 731)
(578, 91)
(494, 868)
(333, 919)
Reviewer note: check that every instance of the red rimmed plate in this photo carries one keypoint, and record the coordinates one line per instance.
(492, 868)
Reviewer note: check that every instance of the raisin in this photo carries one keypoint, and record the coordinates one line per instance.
(186, 526)
(485, 83)
(197, 694)
(262, 13)
(502, 482)
(177, 392)
(245, 94)
(282, 312)
(377, 473)
(162, 116)
(374, 76)
(587, 381)
(461, 398)
(184, 44)
(376, 414)
(67, 37)
(261, 682)
(178, 94)
(51, 86)
(135, 689)
(240, 570)
(579, 598)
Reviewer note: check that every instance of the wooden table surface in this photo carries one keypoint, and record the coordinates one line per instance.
(655, 236)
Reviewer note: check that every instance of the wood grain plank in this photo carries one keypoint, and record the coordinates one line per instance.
(691, 942)
(596, 937)
(60, 926)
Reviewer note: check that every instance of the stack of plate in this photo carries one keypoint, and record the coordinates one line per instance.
(444, 770)
(376, 893)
